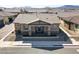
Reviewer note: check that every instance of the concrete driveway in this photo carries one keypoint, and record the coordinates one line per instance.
(5, 30)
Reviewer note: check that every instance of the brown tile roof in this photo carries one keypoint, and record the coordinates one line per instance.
(74, 19)
(68, 14)
(29, 18)
(7, 14)
(13, 10)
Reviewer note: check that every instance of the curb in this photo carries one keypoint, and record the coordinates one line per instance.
(43, 46)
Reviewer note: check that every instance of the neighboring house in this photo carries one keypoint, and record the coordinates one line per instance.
(70, 21)
(67, 14)
(34, 10)
(12, 10)
(37, 24)
(40, 10)
(7, 17)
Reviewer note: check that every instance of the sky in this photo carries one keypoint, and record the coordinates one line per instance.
(37, 3)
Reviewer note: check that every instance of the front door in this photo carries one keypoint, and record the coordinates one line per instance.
(39, 30)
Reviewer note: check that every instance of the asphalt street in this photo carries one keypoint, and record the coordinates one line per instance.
(26, 50)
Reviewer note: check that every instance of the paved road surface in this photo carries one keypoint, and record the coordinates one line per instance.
(25, 50)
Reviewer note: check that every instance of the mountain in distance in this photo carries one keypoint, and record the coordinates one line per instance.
(69, 6)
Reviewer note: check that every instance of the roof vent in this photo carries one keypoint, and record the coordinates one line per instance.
(46, 18)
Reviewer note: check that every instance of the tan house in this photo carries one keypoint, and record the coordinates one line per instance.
(70, 20)
(7, 17)
(12, 10)
(72, 23)
(37, 24)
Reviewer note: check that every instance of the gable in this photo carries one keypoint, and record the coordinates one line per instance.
(39, 22)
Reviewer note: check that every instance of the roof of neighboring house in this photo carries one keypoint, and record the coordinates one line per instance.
(7, 14)
(68, 14)
(29, 18)
(36, 10)
(13, 10)
(74, 19)
(41, 10)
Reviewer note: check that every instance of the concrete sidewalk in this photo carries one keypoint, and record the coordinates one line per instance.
(37, 44)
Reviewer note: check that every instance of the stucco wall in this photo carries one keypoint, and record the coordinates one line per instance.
(6, 20)
(31, 28)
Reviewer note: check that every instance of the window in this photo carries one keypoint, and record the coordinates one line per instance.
(17, 26)
(46, 28)
(77, 26)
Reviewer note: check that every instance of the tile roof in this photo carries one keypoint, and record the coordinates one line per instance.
(36, 10)
(70, 17)
(29, 18)
(68, 14)
(13, 10)
(6, 14)
(74, 19)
